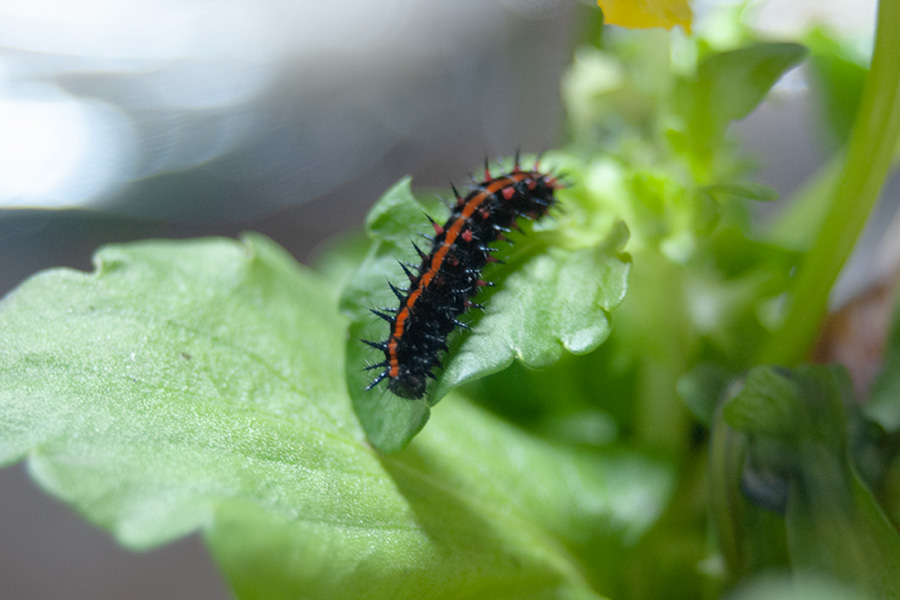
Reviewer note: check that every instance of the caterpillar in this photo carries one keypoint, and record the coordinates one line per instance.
(442, 285)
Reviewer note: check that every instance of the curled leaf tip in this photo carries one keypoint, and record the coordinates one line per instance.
(646, 14)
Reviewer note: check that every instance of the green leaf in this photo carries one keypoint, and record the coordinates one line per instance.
(796, 588)
(728, 86)
(701, 390)
(200, 384)
(838, 72)
(751, 537)
(175, 374)
(475, 527)
(884, 404)
(555, 302)
(549, 299)
(798, 426)
(742, 189)
(769, 404)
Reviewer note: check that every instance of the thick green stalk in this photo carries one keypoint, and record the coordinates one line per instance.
(869, 156)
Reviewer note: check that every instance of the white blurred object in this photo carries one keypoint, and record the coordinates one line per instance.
(855, 19)
(58, 150)
(63, 146)
(288, 99)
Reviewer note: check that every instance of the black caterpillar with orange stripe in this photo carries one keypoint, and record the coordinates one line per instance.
(442, 285)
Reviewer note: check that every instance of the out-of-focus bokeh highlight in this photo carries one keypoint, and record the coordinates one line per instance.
(263, 103)
(97, 94)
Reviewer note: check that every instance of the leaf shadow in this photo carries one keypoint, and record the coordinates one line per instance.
(522, 559)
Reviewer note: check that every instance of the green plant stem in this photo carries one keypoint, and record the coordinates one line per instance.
(797, 225)
(869, 156)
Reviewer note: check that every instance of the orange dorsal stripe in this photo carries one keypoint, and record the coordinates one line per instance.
(452, 233)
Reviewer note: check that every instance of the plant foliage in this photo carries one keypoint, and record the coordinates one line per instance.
(614, 405)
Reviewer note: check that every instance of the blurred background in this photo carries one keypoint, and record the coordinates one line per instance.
(129, 119)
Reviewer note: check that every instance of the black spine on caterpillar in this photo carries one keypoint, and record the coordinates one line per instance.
(450, 275)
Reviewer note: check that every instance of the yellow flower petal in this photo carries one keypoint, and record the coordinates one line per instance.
(644, 14)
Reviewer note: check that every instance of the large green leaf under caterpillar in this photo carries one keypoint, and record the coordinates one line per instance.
(199, 384)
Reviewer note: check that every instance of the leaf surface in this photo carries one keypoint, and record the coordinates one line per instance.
(200, 384)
